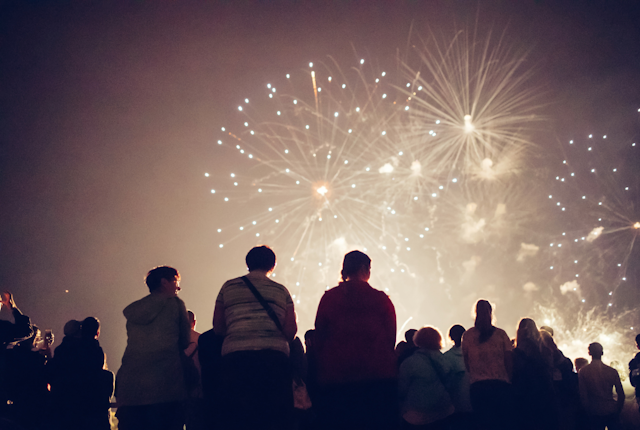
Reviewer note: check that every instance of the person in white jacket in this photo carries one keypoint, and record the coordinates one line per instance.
(150, 385)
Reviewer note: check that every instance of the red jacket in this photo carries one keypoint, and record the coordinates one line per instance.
(355, 334)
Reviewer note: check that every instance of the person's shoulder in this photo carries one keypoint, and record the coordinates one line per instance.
(234, 282)
(452, 352)
(610, 369)
(274, 284)
(470, 333)
(501, 332)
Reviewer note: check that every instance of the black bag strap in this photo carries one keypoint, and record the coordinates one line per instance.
(264, 303)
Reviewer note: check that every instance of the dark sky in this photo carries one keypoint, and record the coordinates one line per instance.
(108, 111)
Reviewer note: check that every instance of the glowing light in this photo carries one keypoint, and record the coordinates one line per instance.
(468, 125)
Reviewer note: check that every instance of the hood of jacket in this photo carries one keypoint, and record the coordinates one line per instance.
(145, 310)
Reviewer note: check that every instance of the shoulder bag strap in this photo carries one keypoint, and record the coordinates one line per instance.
(264, 303)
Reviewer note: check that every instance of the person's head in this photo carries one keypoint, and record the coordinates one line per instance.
(527, 332)
(72, 328)
(596, 351)
(261, 258)
(428, 338)
(163, 279)
(90, 328)
(408, 335)
(547, 329)
(483, 313)
(455, 334)
(356, 266)
(580, 362)
(192, 319)
(638, 341)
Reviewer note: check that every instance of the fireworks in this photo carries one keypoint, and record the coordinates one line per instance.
(471, 105)
(595, 197)
(426, 171)
(315, 146)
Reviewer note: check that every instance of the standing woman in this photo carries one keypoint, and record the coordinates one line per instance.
(355, 333)
(532, 381)
(425, 401)
(487, 352)
(257, 319)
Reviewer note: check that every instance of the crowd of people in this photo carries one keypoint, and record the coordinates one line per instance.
(251, 371)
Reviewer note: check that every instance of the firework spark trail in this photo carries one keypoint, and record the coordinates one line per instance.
(473, 97)
(573, 335)
(340, 161)
(313, 180)
(595, 193)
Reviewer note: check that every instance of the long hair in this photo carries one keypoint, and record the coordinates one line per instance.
(528, 336)
(484, 315)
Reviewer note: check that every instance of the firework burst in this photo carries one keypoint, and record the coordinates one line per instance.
(471, 103)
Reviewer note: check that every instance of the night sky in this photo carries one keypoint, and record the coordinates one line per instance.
(109, 112)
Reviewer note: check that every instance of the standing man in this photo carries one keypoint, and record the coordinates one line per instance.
(150, 385)
(596, 381)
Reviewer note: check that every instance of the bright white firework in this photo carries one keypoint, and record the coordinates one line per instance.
(470, 100)
(309, 182)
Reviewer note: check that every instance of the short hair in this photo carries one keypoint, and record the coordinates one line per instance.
(408, 335)
(638, 339)
(595, 349)
(157, 274)
(90, 327)
(261, 258)
(455, 333)
(353, 262)
(528, 331)
(428, 338)
(580, 362)
(191, 316)
(72, 328)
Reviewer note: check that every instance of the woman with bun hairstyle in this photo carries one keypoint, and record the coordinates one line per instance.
(355, 333)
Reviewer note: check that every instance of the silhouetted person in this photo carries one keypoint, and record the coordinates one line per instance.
(26, 382)
(406, 347)
(424, 399)
(150, 385)
(580, 362)
(81, 387)
(459, 383)
(532, 381)
(10, 332)
(209, 352)
(20, 329)
(256, 381)
(597, 382)
(195, 405)
(487, 352)
(634, 371)
(565, 385)
(312, 363)
(89, 334)
(355, 332)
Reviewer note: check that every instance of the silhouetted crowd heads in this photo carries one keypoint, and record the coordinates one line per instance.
(251, 371)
